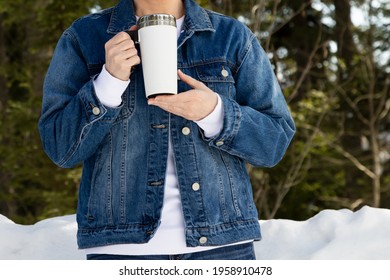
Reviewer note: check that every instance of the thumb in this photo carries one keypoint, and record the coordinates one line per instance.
(195, 84)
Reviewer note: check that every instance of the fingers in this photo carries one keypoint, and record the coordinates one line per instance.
(190, 105)
(119, 43)
(121, 56)
(122, 36)
(183, 104)
(193, 105)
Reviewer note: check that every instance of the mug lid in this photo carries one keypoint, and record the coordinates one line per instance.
(156, 19)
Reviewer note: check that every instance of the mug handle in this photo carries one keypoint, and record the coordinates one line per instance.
(134, 35)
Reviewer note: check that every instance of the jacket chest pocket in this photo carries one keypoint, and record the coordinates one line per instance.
(127, 98)
(218, 77)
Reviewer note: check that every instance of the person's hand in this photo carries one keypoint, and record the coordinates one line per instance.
(192, 105)
(121, 56)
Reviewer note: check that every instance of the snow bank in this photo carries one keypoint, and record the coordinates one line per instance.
(330, 235)
(341, 234)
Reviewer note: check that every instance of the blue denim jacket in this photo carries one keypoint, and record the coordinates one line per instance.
(124, 150)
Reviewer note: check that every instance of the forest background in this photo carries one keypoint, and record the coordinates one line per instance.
(332, 59)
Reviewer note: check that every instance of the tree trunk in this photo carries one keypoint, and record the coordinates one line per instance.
(350, 140)
(3, 88)
(344, 36)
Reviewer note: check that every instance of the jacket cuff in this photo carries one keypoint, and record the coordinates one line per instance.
(94, 108)
(213, 123)
(109, 89)
(231, 124)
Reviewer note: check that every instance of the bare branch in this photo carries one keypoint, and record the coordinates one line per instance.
(308, 66)
(290, 180)
(352, 105)
(385, 102)
(355, 161)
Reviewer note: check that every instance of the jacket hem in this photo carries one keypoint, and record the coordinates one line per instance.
(218, 235)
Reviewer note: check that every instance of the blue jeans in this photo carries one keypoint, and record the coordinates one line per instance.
(237, 252)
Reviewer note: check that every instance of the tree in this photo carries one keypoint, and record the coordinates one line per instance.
(369, 100)
(32, 187)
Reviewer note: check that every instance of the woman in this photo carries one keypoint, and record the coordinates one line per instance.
(164, 178)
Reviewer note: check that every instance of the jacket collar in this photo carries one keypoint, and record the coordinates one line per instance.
(123, 17)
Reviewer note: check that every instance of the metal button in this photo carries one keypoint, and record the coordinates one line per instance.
(95, 111)
(220, 143)
(225, 73)
(196, 187)
(186, 131)
(203, 240)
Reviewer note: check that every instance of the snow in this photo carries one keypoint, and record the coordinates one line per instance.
(330, 235)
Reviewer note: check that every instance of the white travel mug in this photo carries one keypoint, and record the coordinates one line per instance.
(157, 36)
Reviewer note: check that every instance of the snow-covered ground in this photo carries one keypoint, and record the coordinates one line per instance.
(330, 235)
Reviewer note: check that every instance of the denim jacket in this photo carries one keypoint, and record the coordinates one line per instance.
(124, 149)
